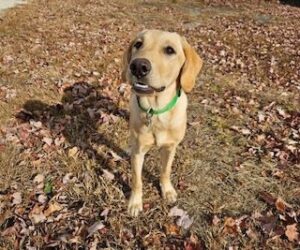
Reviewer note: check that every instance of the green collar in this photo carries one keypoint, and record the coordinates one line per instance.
(166, 108)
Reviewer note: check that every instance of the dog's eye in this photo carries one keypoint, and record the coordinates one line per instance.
(138, 44)
(169, 50)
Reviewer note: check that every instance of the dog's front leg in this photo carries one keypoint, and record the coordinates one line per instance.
(167, 156)
(137, 159)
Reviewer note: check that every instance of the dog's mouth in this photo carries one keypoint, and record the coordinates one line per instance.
(142, 88)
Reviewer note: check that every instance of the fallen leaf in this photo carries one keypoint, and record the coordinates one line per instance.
(47, 140)
(185, 221)
(267, 223)
(260, 138)
(8, 59)
(261, 116)
(39, 178)
(172, 229)
(215, 220)
(10, 94)
(146, 206)
(38, 218)
(108, 175)
(292, 214)
(95, 227)
(235, 128)
(91, 113)
(278, 230)
(267, 197)
(230, 226)
(10, 231)
(105, 213)
(53, 207)
(291, 232)
(17, 198)
(122, 88)
(192, 124)
(281, 205)
(37, 163)
(115, 156)
(282, 112)
(94, 244)
(2, 147)
(278, 173)
(246, 131)
(193, 243)
(59, 140)
(36, 214)
(68, 178)
(37, 124)
(72, 152)
(42, 198)
(96, 73)
(175, 211)
(251, 234)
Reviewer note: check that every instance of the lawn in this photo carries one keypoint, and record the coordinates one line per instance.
(64, 164)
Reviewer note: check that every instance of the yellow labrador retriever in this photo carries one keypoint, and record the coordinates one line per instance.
(161, 67)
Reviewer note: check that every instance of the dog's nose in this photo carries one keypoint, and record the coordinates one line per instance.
(140, 67)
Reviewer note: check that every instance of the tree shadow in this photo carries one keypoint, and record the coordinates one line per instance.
(76, 118)
(294, 3)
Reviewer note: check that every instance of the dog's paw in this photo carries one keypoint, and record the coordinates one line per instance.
(135, 204)
(169, 193)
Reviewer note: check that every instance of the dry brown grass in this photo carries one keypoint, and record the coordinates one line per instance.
(48, 46)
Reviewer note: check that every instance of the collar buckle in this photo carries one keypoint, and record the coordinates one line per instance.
(149, 114)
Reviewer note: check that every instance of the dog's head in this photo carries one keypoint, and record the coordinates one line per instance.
(156, 59)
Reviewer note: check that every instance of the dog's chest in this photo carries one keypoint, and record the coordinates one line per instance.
(163, 128)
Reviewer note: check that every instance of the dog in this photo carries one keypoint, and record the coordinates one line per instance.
(161, 67)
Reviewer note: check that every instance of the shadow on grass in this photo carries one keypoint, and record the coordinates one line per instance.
(295, 3)
(77, 117)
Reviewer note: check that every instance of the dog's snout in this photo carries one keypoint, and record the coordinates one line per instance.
(140, 67)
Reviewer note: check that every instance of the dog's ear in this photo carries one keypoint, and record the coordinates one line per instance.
(191, 67)
(125, 61)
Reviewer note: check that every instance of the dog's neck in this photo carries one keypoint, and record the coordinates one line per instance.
(159, 99)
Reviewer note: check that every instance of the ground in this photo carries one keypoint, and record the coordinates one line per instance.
(64, 169)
